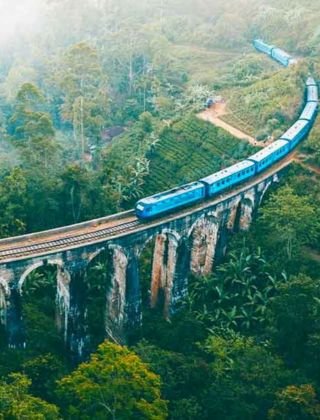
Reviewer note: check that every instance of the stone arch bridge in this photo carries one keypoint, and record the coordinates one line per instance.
(190, 240)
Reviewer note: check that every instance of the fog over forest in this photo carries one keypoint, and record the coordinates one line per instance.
(100, 104)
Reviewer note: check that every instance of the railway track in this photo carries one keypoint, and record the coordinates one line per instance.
(59, 240)
(65, 242)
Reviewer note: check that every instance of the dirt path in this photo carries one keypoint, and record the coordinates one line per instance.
(212, 115)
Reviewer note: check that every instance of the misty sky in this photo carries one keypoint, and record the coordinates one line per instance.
(17, 16)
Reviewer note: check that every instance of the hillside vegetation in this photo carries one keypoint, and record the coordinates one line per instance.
(189, 150)
(245, 343)
(268, 106)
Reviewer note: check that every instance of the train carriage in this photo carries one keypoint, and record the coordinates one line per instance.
(296, 132)
(311, 82)
(227, 177)
(165, 201)
(309, 112)
(262, 46)
(312, 94)
(282, 57)
(269, 155)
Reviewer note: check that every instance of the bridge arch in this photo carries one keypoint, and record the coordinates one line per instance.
(37, 264)
(96, 253)
(172, 234)
(59, 291)
(89, 289)
(264, 187)
(157, 276)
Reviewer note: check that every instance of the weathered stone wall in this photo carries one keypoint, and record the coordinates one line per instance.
(192, 243)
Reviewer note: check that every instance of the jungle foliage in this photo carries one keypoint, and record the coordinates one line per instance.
(245, 344)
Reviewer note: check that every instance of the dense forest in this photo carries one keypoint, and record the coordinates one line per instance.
(98, 103)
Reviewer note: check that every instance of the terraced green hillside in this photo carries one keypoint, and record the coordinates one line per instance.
(155, 157)
(189, 150)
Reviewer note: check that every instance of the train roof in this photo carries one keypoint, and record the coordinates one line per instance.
(261, 42)
(266, 151)
(224, 173)
(311, 82)
(308, 111)
(171, 193)
(281, 53)
(294, 130)
(312, 93)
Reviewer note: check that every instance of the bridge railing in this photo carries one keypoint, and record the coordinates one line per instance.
(65, 229)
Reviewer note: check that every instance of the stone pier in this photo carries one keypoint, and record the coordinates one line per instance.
(182, 245)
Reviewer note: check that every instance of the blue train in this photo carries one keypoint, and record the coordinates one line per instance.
(276, 53)
(208, 187)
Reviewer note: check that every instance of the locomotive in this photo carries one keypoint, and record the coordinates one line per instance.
(210, 186)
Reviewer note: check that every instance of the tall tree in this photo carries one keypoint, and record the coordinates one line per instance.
(296, 403)
(246, 377)
(114, 384)
(84, 92)
(16, 402)
(33, 127)
(13, 203)
(291, 221)
(293, 316)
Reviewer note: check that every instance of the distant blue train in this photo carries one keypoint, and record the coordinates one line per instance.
(276, 53)
(207, 187)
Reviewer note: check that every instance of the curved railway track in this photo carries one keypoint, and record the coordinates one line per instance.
(74, 236)
(100, 230)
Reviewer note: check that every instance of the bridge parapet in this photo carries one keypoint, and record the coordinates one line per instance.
(191, 242)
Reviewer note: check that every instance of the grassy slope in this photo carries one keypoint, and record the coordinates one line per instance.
(269, 104)
(203, 65)
(190, 150)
